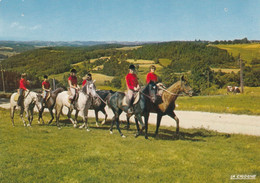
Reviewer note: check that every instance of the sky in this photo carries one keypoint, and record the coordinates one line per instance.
(129, 20)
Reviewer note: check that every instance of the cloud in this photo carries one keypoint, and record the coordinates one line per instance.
(226, 10)
(22, 14)
(17, 25)
(35, 27)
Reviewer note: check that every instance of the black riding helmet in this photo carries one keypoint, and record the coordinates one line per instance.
(45, 77)
(132, 67)
(73, 71)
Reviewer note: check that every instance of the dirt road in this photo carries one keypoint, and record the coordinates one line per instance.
(227, 123)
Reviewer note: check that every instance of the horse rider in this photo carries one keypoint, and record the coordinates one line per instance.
(73, 86)
(151, 76)
(23, 84)
(46, 88)
(132, 87)
(86, 78)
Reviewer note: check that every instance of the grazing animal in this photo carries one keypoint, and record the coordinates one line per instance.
(83, 102)
(50, 103)
(141, 108)
(167, 104)
(233, 89)
(100, 103)
(30, 100)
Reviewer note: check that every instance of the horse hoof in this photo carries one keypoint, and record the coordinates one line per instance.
(146, 137)
(82, 126)
(136, 135)
(97, 125)
(111, 132)
(39, 122)
(59, 128)
(103, 122)
(88, 130)
(25, 124)
(29, 125)
(75, 125)
(123, 136)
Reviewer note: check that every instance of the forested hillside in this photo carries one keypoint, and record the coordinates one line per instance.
(184, 54)
(54, 60)
(194, 59)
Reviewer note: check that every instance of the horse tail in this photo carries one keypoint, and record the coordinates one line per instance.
(58, 90)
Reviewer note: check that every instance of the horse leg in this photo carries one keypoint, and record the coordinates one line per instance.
(104, 112)
(30, 117)
(21, 115)
(117, 125)
(57, 115)
(40, 114)
(27, 114)
(85, 120)
(76, 118)
(112, 124)
(139, 118)
(52, 117)
(128, 122)
(159, 117)
(12, 114)
(96, 115)
(146, 117)
(173, 115)
(69, 116)
(137, 127)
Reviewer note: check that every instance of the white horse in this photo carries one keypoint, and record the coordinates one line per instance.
(30, 100)
(83, 103)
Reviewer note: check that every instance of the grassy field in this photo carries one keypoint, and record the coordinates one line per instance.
(46, 154)
(165, 61)
(246, 103)
(226, 70)
(247, 51)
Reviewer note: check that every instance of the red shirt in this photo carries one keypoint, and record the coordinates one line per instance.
(46, 84)
(84, 82)
(151, 77)
(131, 81)
(73, 80)
(23, 84)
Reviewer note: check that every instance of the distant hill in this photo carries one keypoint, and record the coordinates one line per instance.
(248, 52)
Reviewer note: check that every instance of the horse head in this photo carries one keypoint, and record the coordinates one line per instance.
(185, 87)
(151, 91)
(90, 89)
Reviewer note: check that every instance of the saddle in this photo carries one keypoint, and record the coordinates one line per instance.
(136, 98)
(47, 96)
(70, 94)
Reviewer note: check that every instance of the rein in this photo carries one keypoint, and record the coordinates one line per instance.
(170, 92)
(27, 94)
(101, 99)
(145, 95)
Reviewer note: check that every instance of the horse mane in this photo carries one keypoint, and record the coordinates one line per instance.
(144, 89)
(84, 89)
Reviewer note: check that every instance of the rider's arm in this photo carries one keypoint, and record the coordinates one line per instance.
(70, 85)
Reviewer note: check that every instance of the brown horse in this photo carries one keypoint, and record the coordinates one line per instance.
(167, 104)
(50, 103)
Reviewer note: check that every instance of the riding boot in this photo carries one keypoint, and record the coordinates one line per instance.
(20, 100)
(42, 102)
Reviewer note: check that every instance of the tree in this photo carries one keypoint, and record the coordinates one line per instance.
(200, 76)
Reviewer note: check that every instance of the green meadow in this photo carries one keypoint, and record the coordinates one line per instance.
(246, 103)
(46, 154)
(246, 51)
